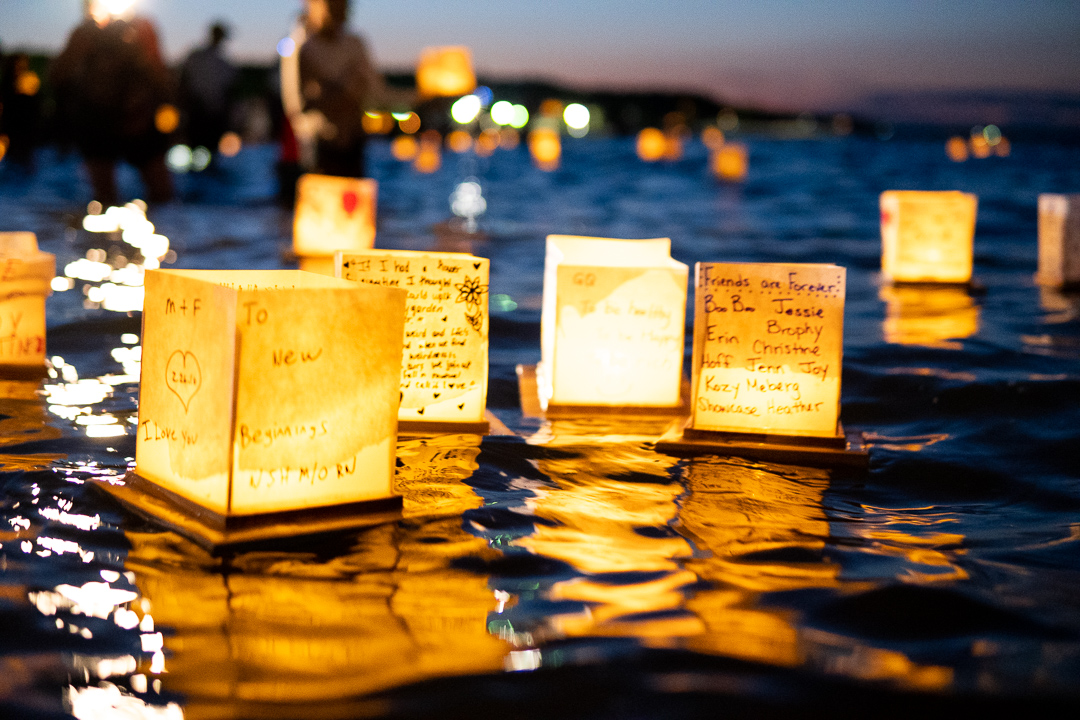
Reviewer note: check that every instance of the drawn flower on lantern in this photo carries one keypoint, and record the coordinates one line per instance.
(470, 292)
(476, 321)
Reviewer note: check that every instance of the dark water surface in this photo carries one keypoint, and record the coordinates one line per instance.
(569, 570)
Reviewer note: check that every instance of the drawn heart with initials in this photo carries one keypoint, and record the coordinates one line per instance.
(183, 376)
(349, 201)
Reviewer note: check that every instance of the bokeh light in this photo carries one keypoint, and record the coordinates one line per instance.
(651, 144)
(502, 112)
(404, 148)
(465, 109)
(230, 144)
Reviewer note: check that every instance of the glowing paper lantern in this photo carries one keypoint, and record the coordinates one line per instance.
(1059, 240)
(927, 236)
(612, 323)
(333, 213)
(268, 391)
(445, 72)
(444, 365)
(768, 348)
(24, 285)
(729, 162)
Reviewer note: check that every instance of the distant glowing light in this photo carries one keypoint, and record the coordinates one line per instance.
(992, 133)
(107, 700)
(576, 116)
(286, 47)
(459, 141)
(651, 144)
(523, 660)
(409, 123)
(509, 138)
(200, 159)
(468, 201)
(230, 144)
(488, 143)
(129, 339)
(404, 148)
(485, 94)
(956, 149)
(502, 113)
(521, 117)
(465, 109)
(61, 284)
(166, 119)
(27, 83)
(545, 148)
(178, 159)
(713, 137)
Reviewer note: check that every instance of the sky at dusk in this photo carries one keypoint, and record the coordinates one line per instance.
(784, 54)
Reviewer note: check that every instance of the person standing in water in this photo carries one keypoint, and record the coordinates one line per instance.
(327, 82)
(113, 92)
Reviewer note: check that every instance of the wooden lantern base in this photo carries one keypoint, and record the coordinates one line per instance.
(844, 450)
(530, 403)
(490, 425)
(217, 533)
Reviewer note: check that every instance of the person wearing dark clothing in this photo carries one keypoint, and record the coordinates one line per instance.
(327, 84)
(207, 79)
(110, 84)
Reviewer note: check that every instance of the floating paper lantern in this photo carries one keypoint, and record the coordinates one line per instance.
(729, 162)
(444, 365)
(268, 391)
(333, 213)
(1059, 240)
(927, 236)
(928, 316)
(25, 277)
(445, 72)
(612, 323)
(768, 348)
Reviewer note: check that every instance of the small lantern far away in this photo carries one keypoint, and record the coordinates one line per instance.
(612, 324)
(24, 285)
(768, 348)
(333, 213)
(927, 236)
(1059, 240)
(268, 391)
(444, 364)
(445, 72)
(729, 162)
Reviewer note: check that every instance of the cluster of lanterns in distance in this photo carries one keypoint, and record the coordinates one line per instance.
(110, 279)
(182, 158)
(983, 142)
(728, 161)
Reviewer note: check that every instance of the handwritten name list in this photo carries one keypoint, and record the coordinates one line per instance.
(444, 367)
(768, 348)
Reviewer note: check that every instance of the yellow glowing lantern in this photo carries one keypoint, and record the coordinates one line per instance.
(729, 162)
(928, 316)
(956, 148)
(612, 323)
(459, 141)
(768, 348)
(27, 83)
(333, 213)
(545, 148)
(444, 368)
(927, 236)
(267, 391)
(488, 142)
(429, 157)
(1059, 240)
(445, 72)
(24, 284)
(404, 148)
(980, 146)
(166, 119)
(713, 137)
(651, 144)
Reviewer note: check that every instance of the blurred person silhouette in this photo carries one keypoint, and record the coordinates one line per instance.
(113, 91)
(20, 110)
(327, 82)
(207, 82)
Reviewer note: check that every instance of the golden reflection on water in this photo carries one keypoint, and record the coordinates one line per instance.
(928, 316)
(23, 419)
(285, 628)
(432, 471)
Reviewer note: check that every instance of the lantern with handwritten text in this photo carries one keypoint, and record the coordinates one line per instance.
(927, 236)
(444, 368)
(1059, 240)
(333, 213)
(768, 348)
(268, 390)
(24, 285)
(445, 72)
(612, 323)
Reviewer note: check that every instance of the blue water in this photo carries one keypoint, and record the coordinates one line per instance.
(569, 570)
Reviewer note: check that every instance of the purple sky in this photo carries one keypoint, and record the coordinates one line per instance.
(811, 54)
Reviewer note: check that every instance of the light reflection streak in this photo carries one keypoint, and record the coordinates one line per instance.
(108, 701)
